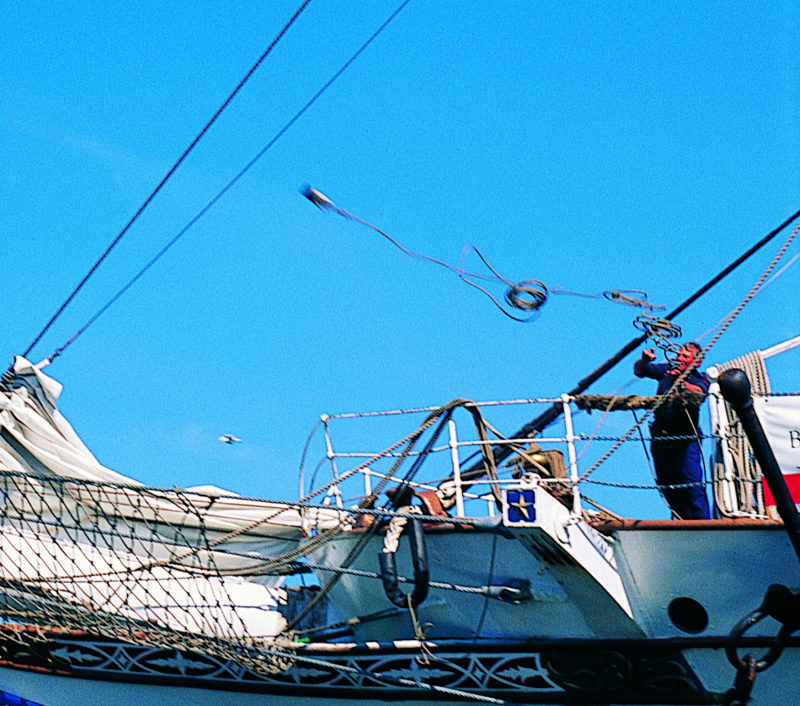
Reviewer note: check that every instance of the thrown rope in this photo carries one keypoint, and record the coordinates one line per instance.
(529, 295)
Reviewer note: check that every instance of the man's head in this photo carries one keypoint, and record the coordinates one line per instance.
(687, 355)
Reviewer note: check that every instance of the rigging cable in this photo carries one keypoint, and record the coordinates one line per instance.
(766, 284)
(167, 176)
(227, 187)
(702, 353)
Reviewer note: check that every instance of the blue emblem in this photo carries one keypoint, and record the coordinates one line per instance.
(520, 506)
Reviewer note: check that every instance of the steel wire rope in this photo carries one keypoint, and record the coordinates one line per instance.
(701, 354)
(164, 180)
(331, 533)
(614, 396)
(227, 186)
(489, 578)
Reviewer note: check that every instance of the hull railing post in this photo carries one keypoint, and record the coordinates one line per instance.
(573, 459)
(735, 388)
(451, 429)
(334, 490)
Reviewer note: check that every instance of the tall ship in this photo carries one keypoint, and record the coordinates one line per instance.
(163, 539)
(456, 564)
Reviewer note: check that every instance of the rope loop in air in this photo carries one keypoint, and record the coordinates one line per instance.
(660, 330)
(528, 295)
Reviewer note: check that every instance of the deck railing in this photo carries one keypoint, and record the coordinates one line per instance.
(356, 475)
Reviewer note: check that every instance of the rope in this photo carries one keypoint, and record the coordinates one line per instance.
(610, 403)
(167, 176)
(419, 634)
(660, 330)
(111, 560)
(368, 501)
(749, 492)
(529, 295)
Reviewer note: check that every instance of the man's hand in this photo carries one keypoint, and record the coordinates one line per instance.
(639, 367)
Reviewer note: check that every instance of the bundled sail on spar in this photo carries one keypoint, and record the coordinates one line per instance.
(83, 547)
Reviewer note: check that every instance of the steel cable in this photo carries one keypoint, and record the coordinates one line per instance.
(167, 176)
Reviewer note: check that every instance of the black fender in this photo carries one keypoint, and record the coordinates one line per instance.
(419, 561)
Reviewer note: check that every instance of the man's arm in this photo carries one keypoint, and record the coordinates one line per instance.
(640, 366)
(699, 383)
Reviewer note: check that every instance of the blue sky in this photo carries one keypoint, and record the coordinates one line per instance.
(591, 146)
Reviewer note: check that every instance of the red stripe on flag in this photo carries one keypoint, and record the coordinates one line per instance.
(792, 481)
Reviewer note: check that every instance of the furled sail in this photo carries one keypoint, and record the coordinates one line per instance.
(83, 547)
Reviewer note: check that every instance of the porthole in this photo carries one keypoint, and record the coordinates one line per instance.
(688, 615)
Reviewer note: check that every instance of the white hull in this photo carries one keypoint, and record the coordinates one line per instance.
(554, 648)
(153, 596)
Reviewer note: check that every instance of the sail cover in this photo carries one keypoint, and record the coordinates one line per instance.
(83, 547)
(36, 439)
(780, 417)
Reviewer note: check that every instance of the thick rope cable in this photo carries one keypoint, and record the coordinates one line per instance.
(370, 531)
(166, 177)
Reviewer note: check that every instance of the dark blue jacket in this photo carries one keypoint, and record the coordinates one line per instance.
(674, 421)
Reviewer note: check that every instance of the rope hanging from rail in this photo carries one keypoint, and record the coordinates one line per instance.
(612, 403)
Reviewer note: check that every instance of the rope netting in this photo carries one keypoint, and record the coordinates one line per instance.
(194, 570)
(138, 565)
(747, 486)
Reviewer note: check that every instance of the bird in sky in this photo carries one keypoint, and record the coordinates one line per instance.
(229, 439)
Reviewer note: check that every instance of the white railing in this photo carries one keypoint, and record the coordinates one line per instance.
(355, 475)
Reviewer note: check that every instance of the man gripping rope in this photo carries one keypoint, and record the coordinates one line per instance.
(678, 461)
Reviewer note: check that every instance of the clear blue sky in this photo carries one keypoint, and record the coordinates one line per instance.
(591, 146)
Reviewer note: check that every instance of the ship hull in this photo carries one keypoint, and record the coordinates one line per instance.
(69, 670)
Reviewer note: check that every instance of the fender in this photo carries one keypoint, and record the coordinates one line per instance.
(419, 560)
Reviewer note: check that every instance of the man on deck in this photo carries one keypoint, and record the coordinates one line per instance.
(678, 461)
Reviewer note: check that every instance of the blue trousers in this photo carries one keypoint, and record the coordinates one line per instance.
(679, 462)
